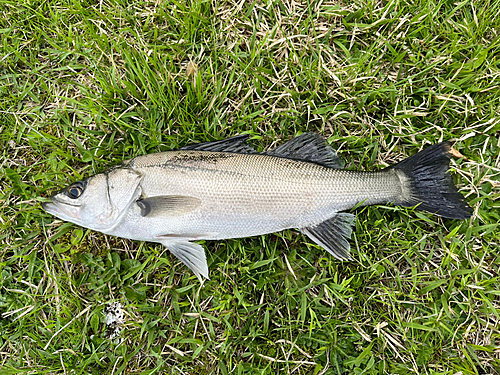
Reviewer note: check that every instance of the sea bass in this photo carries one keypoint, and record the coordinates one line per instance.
(226, 189)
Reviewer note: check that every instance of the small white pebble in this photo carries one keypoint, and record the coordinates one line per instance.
(114, 319)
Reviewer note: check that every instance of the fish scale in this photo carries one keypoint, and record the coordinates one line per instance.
(272, 179)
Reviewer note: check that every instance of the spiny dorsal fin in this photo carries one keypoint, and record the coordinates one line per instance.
(309, 147)
(333, 234)
(167, 205)
(235, 145)
(192, 255)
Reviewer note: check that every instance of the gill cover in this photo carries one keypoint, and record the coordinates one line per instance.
(121, 189)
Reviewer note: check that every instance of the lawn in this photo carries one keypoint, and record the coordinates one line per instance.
(87, 84)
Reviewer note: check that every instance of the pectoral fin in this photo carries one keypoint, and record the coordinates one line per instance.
(192, 255)
(167, 205)
(333, 234)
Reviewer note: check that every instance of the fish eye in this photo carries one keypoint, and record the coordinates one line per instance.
(75, 190)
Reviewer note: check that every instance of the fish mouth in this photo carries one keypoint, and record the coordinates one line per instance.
(64, 211)
(49, 207)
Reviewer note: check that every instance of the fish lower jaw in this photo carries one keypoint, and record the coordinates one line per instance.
(64, 214)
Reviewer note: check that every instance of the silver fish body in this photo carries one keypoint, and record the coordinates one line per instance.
(206, 192)
(243, 195)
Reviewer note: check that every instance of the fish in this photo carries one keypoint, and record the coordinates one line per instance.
(226, 189)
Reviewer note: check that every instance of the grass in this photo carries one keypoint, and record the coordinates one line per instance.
(87, 84)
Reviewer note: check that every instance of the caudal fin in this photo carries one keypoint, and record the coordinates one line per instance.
(427, 185)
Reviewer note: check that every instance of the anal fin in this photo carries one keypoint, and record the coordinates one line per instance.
(191, 254)
(333, 234)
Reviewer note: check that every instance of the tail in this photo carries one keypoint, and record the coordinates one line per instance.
(426, 183)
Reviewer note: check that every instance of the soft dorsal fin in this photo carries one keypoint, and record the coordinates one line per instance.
(167, 205)
(333, 234)
(236, 144)
(309, 147)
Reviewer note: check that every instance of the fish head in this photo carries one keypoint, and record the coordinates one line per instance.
(99, 202)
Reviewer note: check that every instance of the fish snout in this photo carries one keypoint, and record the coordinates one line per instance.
(63, 211)
(49, 207)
